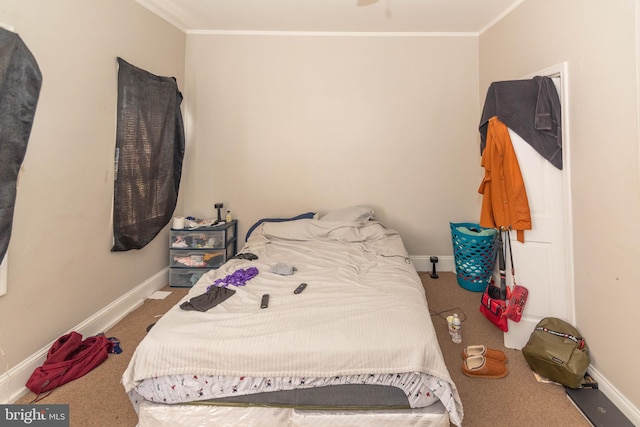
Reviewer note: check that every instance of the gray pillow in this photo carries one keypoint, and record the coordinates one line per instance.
(351, 214)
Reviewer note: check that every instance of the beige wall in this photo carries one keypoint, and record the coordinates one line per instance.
(288, 124)
(61, 270)
(598, 41)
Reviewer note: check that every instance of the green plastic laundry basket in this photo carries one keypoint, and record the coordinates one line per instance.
(474, 249)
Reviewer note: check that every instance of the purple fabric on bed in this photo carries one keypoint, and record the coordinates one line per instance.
(239, 277)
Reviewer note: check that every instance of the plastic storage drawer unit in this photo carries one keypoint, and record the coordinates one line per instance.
(201, 239)
(194, 252)
(186, 277)
(210, 258)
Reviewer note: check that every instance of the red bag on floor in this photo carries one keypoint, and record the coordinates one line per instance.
(69, 358)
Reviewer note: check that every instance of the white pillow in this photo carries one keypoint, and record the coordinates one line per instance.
(351, 214)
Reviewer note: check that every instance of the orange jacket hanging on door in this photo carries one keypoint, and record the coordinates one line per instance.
(505, 202)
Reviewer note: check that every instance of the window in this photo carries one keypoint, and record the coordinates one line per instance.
(20, 83)
(148, 157)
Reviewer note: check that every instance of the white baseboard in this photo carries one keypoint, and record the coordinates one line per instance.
(617, 398)
(423, 263)
(12, 382)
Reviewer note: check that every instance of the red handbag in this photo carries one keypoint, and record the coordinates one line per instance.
(494, 309)
(516, 303)
(518, 297)
(493, 304)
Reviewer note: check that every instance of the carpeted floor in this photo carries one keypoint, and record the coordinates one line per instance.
(98, 398)
(516, 400)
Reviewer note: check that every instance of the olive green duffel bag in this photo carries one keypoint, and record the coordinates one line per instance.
(557, 351)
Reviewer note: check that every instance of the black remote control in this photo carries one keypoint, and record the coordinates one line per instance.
(265, 301)
(300, 288)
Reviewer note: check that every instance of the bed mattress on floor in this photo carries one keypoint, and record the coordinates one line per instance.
(157, 415)
(363, 313)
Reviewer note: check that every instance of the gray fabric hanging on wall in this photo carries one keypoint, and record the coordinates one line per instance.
(531, 108)
(20, 83)
(149, 153)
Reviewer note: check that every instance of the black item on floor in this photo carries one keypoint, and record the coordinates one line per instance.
(434, 261)
(597, 408)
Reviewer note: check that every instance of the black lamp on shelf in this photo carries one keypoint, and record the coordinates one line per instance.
(218, 206)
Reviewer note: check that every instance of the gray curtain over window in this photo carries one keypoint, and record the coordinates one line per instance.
(20, 82)
(148, 158)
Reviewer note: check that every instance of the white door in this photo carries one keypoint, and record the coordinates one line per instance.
(543, 264)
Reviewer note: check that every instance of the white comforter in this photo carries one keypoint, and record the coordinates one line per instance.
(363, 311)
